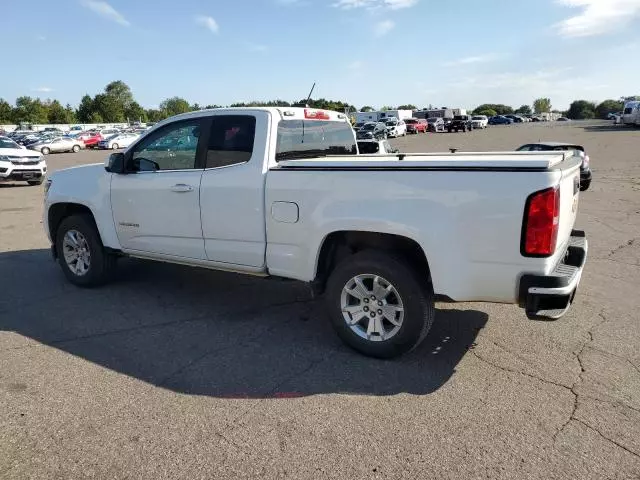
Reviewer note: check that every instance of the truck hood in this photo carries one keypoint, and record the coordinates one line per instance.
(80, 173)
(17, 152)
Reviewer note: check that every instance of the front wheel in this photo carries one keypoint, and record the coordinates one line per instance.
(80, 252)
(115, 146)
(45, 151)
(75, 149)
(379, 305)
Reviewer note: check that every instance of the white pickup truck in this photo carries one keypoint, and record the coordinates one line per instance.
(283, 192)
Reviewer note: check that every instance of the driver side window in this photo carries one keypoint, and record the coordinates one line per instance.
(173, 147)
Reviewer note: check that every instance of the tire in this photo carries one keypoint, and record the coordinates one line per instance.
(33, 183)
(75, 149)
(45, 151)
(115, 146)
(100, 264)
(414, 294)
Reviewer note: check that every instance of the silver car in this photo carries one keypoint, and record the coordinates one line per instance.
(57, 144)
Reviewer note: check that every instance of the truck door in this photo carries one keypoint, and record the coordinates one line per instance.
(156, 204)
(232, 189)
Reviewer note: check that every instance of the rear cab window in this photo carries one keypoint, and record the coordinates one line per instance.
(297, 139)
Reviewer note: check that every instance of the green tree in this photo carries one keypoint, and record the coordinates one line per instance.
(542, 105)
(496, 107)
(120, 93)
(386, 108)
(195, 107)
(29, 110)
(581, 110)
(174, 106)
(70, 114)
(407, 107)
(5, 112)
(209, 107)
(487, 112)
(607, 107)
(524, 110)
(95, 117)
(154, 115)
(108, 107)
(135, 113)
(85, 109)
(631, 98)
(367, 108)
(56, 113)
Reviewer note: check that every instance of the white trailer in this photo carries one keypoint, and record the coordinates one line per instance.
(631, 113)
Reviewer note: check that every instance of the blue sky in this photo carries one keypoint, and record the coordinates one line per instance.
(365, 52)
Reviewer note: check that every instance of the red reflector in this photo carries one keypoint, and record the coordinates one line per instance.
(542, 218)
(316, 114)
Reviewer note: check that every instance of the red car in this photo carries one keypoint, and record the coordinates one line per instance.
(90, 139)
(416, 125)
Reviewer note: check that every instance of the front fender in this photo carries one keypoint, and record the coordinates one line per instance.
(88, 186)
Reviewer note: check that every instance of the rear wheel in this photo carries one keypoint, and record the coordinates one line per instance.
(75, 149)
(81, 254)
(45, 151)
(379, 305)
(115, 146)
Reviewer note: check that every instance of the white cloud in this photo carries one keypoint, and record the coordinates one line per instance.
(489, 57)
(374, 4)
(105, 10)
(43, 89)
(598, 17)
(382, 28)
(356, 65)
(207, 22)
(41, 38)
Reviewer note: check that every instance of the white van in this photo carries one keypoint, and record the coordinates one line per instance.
(631, 113)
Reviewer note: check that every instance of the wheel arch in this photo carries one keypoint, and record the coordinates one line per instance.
(337, 245)
(57, 212)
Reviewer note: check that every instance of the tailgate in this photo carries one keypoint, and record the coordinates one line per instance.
(569, 197)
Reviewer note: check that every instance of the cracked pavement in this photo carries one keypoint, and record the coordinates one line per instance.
(174, 372)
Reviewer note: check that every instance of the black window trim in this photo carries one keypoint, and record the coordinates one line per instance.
(206, 148)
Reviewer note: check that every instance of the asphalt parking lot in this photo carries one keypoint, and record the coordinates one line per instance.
(173, 372)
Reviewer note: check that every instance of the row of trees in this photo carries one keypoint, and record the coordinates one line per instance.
(116, 104)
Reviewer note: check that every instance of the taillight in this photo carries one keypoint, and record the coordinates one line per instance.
(316, 114)
(541, 222)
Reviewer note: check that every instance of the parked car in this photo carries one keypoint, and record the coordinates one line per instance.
(479, 121)
(57, 145)
(460, 123)
(396, 128)
(377, 130)
(379, 147)
(107, 132)
(357, 126)
(500, 120)
(585, 167)
(381, 239)
(119, 140)
(416, 125)
(436, 124)
(90, 139)
(20, 164)
(564, 119)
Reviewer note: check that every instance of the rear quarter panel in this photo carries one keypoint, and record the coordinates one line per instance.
(469, 224)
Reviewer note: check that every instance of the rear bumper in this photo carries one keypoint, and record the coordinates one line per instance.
(548, 297)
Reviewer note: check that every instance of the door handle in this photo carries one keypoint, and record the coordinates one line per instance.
(181, 188)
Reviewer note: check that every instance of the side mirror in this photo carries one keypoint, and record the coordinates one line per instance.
(115, 163)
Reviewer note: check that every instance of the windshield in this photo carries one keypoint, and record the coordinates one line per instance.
(411, 121)
(369, 126)
(7, 143)
(392, 123)
(433, 119)
(477, 118)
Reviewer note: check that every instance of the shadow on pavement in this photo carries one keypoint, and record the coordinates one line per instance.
(209, 333)
(606, 128)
